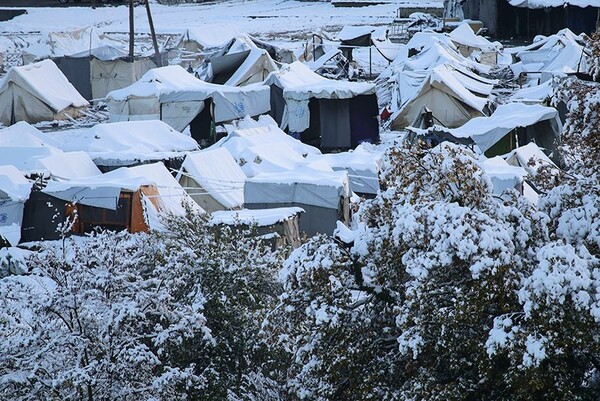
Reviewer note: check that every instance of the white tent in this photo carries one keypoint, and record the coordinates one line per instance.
(503, 175)
(471, 45)
(538, 123)
(14, 191)
(243, 68)
(213, 179)
(38, 92)
(453, 96)
(174, 96)
(322, 194)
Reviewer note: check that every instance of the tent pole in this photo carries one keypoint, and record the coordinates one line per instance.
(131, 29)
(153, 33)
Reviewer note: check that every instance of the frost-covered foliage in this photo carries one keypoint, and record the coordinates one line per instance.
(447, 293)
(154, 317)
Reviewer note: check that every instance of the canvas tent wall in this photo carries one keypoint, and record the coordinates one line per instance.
(213, 179)
(38, 92)
(324, 195)
(447, 95)
(14, 192)
(243, 68)
(321, 111)
(172, 95)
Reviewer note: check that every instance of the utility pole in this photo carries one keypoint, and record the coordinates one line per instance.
(153, 33)
(131, 29)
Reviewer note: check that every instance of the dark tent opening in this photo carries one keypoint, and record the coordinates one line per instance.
(202, 126)
(77, 70)
(41, 217)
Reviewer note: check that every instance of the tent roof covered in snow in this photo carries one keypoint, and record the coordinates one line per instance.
(243, 68)
(217, 172)
(174, 84)
(44, 92)
(464, 35)
(126, 142)
(300, 83)
(22, 145)
(486, 131)
(14, 191)
(13, 184)
(260, 217)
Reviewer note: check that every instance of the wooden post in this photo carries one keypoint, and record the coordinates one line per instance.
(153, 33)
(93, 4)
(131, 30)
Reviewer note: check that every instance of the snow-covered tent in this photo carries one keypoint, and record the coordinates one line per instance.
(363, 167)
(447, 95)
(324, 112)
(128, 198)
(242, 68)
(531, 158)
(14, 191)
(127, 143)
(38, 92)
(172, 95)
(513, 125)
(213, 179)
(199, 42)
(561, 53)
(324, 195)
(471, 45)
(280, 226)
(366, 36)
(547, 16)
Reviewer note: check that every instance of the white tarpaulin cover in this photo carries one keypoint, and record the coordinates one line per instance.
(127, 142)
(300, 83)
(36, 92)
(255, 68)
(486, 131)
(303, 185)
(217, 172)
(172, 84)
(14, 191)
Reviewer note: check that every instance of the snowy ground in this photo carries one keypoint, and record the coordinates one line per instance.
(260, 17)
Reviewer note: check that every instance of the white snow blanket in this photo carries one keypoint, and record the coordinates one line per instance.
(126, 143)
(300, 83)
(464, 35)
(22, 145)
(502, 175)
(172, 84)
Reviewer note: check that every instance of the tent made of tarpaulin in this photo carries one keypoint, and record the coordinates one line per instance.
(513, 125)
(213, 179)
(97, 72)
(451, 95)
(38, 92)
(128, 198)
(199, 42)
(173, 95)
(243, 68)
(469, 44)
(323, 195)
(14, 191)
(324, 112)
(547, 16)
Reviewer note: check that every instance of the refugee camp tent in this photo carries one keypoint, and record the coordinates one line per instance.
(532, 159)
(14, 191)
(213, 179)
(38, 92)
(264, 148)
(471, 45)
(324, 195)
(363, 167)
(125, 199)
(447, 95)
(127, 143)
(321, 111)
(366, 36)
(172, 95)
(243, 68)
(513, 125)
(280, 226)
(199, 42)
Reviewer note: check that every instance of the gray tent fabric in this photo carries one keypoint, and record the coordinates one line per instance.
(77, 71)
(316, 220)
(335, 123)
(223, 67)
